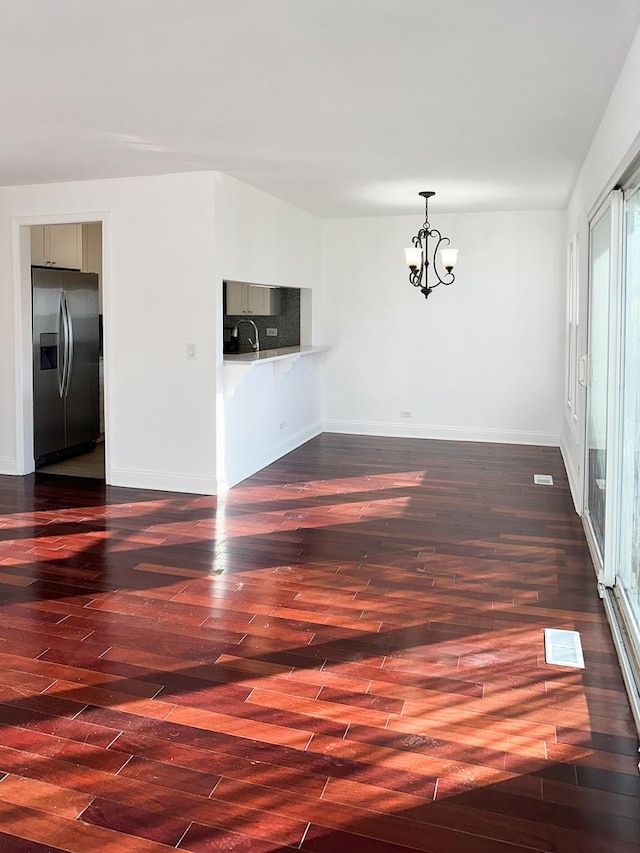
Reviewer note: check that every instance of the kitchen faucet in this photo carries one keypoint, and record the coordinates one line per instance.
(256, 345)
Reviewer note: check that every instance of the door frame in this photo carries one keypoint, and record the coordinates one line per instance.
(23, 318)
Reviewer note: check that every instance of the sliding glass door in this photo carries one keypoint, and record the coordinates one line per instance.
(612, 446)
(602, 376)
(596, 461)
(628, 526)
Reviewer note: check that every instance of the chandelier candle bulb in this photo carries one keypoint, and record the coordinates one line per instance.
(413, 257)
(449, 258)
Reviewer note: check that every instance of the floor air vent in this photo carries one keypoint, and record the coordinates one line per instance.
(563, 648)
(543, 479)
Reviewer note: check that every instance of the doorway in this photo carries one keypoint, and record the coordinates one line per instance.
(66, 262)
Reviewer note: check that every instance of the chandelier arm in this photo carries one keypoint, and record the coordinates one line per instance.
(415, 278)
(449, 277)
(420, 242)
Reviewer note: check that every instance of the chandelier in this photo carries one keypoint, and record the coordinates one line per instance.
(417, 256)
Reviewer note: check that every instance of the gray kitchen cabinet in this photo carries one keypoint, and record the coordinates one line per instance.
(252, 299)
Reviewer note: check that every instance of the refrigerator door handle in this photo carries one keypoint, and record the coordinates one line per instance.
(61, 347)
(69, 346)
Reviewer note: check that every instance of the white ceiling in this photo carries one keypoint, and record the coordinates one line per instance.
(343, 107)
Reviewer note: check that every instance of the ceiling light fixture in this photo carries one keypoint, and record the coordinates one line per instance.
(417, 259)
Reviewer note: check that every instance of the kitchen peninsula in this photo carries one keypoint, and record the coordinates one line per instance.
(270, 377)
(237, 365)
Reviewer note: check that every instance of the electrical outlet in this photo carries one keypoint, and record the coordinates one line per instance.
(283, 424)
(405, 413)
(272, 333)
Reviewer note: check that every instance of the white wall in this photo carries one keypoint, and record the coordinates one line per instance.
(262, 239)
(480, 360)
(616, 142)
(276, 408)
(159, 293)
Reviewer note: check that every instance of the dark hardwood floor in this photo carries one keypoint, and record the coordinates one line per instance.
(345, 654)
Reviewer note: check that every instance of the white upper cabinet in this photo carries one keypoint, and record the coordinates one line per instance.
(38, 256)
(259, 301)
(57, 246)
(252, 299)
(65, 245)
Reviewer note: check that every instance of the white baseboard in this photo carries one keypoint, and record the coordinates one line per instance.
(397, 430)
(8, 465)
(257, 463)
(572, 476)
(162, 481)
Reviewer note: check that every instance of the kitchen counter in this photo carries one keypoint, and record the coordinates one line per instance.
(270, 355)
(238, 364)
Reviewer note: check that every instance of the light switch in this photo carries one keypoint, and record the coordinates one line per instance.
(191, 350)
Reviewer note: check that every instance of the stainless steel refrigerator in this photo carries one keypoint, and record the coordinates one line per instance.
(66, 390)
